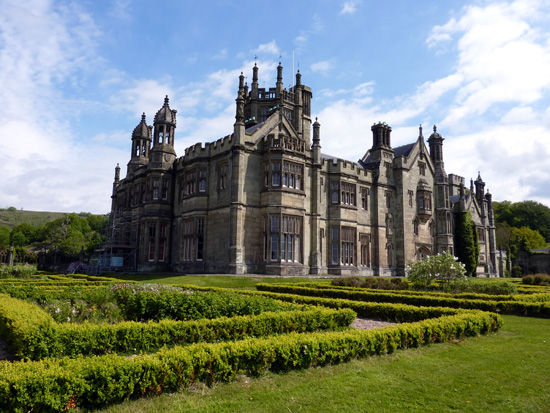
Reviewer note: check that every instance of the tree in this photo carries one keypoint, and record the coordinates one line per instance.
(529, 214)
(466, 242)
(532, 239)
(4, 238)
(443, 267)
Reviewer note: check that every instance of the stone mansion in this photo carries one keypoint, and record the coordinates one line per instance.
(265, 199)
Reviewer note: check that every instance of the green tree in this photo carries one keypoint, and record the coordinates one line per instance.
(4, 237)
(466, 242)
(532, 239)
(529, 214)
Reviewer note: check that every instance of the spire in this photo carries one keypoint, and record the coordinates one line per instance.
(420, 132)
(316, 133)
(255, 74)
(239, 115)
(279, 85)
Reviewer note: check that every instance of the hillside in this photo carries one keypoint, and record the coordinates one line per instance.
(10, 217)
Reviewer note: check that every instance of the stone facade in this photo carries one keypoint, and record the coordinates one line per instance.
(264, 199)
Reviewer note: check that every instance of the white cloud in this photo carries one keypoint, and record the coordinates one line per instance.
(349, 7)
(323, 67)
(268, 48)
(488, 107)
(43, 48)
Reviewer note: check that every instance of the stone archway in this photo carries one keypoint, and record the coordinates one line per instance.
(422, 252)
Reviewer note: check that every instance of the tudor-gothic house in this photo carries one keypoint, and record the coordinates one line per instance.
(264, 199)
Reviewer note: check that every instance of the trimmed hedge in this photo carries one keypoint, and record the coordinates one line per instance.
(34, 335)
(97, 381)
(530, 309)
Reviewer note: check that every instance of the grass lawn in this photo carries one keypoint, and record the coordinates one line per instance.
(224, 281)
(503, 372)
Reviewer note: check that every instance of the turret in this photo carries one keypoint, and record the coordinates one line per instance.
(163, 138)
(279, 85)
(480, 188)
(141, 142)
(115, 185)
(238, 127)
(316, 147)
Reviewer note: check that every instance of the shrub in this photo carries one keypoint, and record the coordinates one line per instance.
(371, 282)
(155, 302)
(17, 271)
(442, 267)
(536, 279)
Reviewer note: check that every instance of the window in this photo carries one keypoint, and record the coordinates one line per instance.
(481, 234)
(364, 239)
(388, 199)
(222, 176)
(284, 239)
(365, 198)
(389, 254)
(202, 180)
(161, 137)
(415, 226)
(162, 241)
(411, 195)
(181, 185)
(200, 239)
(164, 188)
(348, 246)
(334, 237)
(155, 189)
(275, 224)
(192, 239)
(190, 181)
(422, 168)
(152, 228)
(348, 193)
(424, 201)
(334, 189)
(275, 174)
(167, 136)
(292, 175)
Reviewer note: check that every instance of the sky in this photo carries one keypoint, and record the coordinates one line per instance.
(75, 77)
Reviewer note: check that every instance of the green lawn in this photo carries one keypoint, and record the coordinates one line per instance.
(224, 281)
(503, 372)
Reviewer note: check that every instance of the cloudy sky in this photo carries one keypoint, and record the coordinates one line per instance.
(75, 77)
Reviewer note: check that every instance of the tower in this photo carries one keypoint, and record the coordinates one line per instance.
(163, 154)
(141, 142)
(444, 239)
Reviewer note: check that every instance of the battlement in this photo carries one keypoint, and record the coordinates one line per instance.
(336, 165)
(208, 150)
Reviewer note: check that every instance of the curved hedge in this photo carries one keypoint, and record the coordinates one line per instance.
(531, 309)
(96, 381)
(33, 334)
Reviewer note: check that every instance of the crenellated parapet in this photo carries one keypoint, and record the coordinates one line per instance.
(342, 166)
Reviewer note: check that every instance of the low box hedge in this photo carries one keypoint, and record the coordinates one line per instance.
(34, 335)
(531, 309)
(96, 381)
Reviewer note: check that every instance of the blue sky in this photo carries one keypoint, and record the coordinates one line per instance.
(76, 76)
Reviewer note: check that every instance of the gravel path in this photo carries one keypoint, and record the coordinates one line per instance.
(369, 324)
